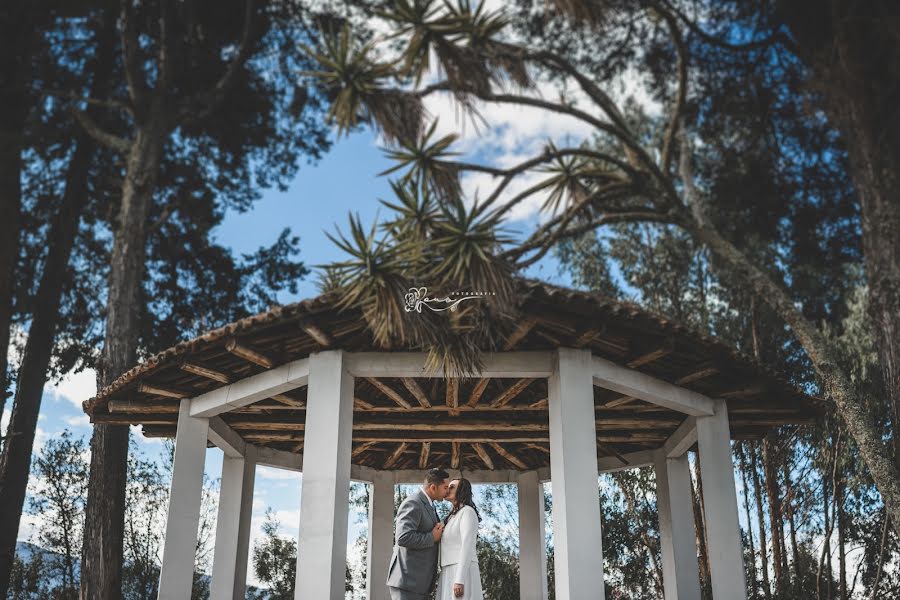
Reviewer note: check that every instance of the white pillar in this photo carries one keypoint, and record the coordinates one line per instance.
(229, 575)
(324, 499)
(578, 548)
(532, 546)
(381, 535)
(723, 530)
(681, 578)
(177, 570)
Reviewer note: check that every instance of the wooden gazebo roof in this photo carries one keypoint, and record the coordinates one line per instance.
(402, 423)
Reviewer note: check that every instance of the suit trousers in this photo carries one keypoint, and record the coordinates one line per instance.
(398, 594)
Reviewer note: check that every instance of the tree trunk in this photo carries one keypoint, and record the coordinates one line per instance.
(754, 582)
(836, 384)
(761, 519)
(15, 64)
(848, 47)
(101, 574)
(770, 442)
(789, 505)
(700, 529)
(842, 557)
(15, 462)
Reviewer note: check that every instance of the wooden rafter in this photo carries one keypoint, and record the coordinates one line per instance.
(248, 354)
(453, 395)
(395, 455)
(158, 390)
(587, 337)
(483, 455)
(360, 404)
(616, 402)
(511, 392)
(389, 392)
(512, 458)
(205, 372)
(364, 447)
(316, 333)
(442, 408)
(697, 375)
(477, 391)
(612, 451)
(288, 401)
(297, 447)
(454, 455)
(127, 406)
(540, 404)
(519, 333)
(665, 349)
(423, 455)
(417, 392)
(543, 449)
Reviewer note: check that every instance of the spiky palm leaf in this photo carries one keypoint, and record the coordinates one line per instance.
(566, 181)
(357, 86)
(416, 213)
(426, 163)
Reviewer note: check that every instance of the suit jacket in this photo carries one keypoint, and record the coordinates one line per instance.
(414, 561)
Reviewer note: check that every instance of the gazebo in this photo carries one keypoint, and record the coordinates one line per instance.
(583, 385)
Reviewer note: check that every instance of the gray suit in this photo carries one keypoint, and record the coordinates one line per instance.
(414, 562)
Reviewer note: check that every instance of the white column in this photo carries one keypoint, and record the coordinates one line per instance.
(381, 535)
(578, 548)
(324, 500)
(177, 571)
(723, 530)
(681, 579)
(532, 546)
(229, 575)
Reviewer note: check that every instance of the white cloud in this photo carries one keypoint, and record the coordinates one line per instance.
(78, 421)
(76, 387)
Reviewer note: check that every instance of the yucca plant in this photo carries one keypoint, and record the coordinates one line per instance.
(427, 163)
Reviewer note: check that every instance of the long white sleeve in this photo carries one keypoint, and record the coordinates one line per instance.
(468, 529)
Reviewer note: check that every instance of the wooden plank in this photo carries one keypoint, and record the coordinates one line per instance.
(541, 404)
(389, 392)
(129, 406)
(483, 455)
(443, 408)
(248, 354)
(697, 375)
(395, 455)
(158, 390)
(511, 392)
(538, 447)
(454, 455)
(453, 395)
(508, 456)
(519, 333)
(461, 437)
(417, 392)
(620, 401)
(288, 401)
(360, 404)
(205, 372)
(667, 348)
(423, 456)
(477, 391)
(134, 419)
(364, 447)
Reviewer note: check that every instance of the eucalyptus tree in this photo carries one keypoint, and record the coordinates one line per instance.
(642, 177)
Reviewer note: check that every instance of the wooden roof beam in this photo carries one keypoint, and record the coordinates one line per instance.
(483, 455)
(665, 349)
(423, 455)
(512, 458)
(478, 391)
(454, 455)
(158, 390)
(453, 396)
(205, 372)
(130, 406)
(389, 392)
(418, 393)
(248, 354)
(511, 392)
(519, 333)
(313, 331)
(395, 455)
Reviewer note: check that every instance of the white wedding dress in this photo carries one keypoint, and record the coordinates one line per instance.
(459, 561)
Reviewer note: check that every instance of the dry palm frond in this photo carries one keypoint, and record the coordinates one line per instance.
(398, 114)
(426, 163)
(329, 280)
(416, 211)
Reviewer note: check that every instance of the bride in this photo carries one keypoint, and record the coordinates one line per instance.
(460, 576)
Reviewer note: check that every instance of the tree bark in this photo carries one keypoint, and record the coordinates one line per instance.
(789, 504)
(761, 519)
(842, 556)
(848, 46)
(754, 582)
(104, 528)
(770, 442)
(835, 383)
(700, 530)
(15, 462)
(15, 65)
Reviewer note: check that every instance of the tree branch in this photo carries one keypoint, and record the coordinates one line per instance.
(204, 103)
(93, 129)
(775, 37)
(134, 76)
(681, 93)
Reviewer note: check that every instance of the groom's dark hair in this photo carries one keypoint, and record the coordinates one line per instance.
(436, 477)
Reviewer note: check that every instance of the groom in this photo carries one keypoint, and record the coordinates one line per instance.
(418, 532)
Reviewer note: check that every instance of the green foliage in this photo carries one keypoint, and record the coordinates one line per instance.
(275, 562)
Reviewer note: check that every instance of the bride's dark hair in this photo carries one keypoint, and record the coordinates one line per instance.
(463, 498)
